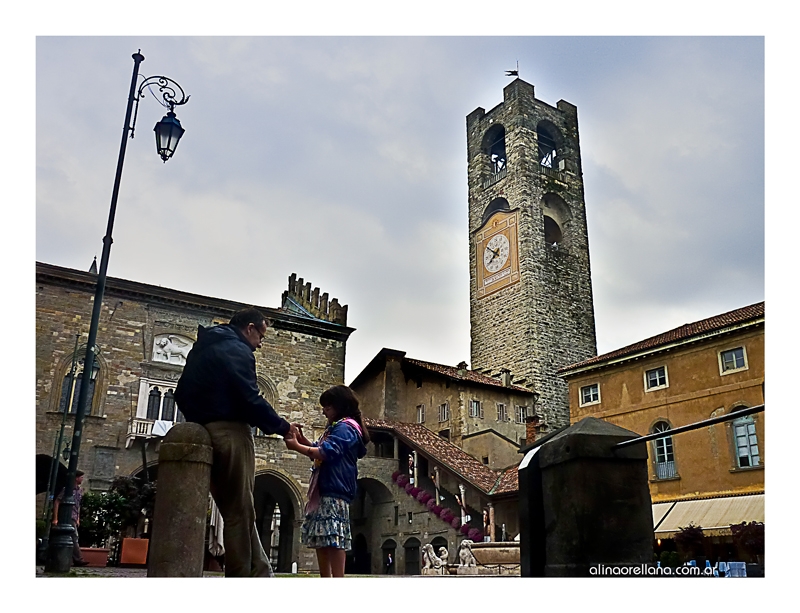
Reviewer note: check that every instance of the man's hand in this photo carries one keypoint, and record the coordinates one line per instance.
(292, 433)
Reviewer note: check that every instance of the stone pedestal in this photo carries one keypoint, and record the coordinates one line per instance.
(179, 519)
(467, 570)
(433, 571)
(584, 503)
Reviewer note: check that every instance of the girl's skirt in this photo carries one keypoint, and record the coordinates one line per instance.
(328, 525)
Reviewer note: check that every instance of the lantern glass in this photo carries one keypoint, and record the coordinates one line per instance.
(168, 134)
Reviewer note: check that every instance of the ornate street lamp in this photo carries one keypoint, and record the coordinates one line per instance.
(168, 133)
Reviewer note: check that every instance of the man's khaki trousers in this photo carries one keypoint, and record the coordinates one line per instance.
(232, 480)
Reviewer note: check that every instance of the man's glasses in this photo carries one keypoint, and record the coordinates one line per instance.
(260, 335)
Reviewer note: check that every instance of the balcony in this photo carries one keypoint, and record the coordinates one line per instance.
(666, 470)
(146, 429)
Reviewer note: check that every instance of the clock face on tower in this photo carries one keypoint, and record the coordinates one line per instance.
(496, 253)
(497, 260)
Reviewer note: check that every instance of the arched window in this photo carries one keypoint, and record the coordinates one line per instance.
(664, 457)
(168, 406)
(154, 403)
(746, 441)
(70, 393)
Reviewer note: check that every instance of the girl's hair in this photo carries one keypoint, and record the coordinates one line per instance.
(345, 402)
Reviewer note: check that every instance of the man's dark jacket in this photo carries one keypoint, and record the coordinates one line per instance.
(219, 382)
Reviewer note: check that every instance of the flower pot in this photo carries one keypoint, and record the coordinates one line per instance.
(134, 551)
(96, 557)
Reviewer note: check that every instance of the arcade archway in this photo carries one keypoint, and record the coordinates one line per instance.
(277, 505)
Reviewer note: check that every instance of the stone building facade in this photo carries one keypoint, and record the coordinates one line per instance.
(482, 415)
(531, 308)
(144, 335)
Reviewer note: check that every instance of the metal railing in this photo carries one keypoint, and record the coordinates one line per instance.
(552, 172)
(700, 424)
(495, 177)
(665, 470)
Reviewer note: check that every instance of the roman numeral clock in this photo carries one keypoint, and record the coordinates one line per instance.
(497, 253)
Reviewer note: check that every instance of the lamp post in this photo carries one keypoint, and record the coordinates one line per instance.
(168, 133)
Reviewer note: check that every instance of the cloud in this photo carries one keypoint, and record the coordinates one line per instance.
(344, 160)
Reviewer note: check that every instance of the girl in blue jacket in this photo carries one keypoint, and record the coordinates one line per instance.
(333, 479)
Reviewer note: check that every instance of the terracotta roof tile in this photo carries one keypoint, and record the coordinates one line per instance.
(482, 477)
(463, 374)
(682, 333)
(508, 482)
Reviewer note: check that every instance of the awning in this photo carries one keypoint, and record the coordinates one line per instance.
(660, 509)
(711, 514)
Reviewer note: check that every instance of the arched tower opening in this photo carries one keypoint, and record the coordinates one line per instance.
(556, 216)
(493, 147)
(550, 144)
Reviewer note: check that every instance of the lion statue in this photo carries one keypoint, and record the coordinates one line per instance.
(430, 559)
(465, 555)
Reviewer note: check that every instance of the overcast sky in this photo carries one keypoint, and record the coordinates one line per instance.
(344, 160)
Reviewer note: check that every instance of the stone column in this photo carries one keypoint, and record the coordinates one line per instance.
(491, 523)
(179, 518)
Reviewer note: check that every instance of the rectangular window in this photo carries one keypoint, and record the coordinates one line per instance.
(444, 412)
(420, 413)
(502, 415)
(520, 413)
(746, 444)
(732, 360)
(590, 394)
(475, 408)
(655, 378)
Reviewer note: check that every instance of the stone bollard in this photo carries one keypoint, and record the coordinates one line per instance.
(584, 504)
(179, 519)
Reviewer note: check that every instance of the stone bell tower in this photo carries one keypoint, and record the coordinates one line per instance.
(531, 309)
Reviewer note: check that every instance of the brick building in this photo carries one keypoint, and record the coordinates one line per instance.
(144, 335)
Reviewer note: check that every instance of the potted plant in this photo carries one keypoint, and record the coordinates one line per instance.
(136, 503)
(95, 528)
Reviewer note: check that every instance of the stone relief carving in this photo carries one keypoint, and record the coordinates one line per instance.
(171, 348)
(465, 555)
